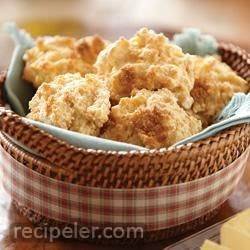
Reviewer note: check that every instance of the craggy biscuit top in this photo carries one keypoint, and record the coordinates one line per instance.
(89, 47)
(215, 84)
(150, 118)
(143, 91)
(148, 60)
(72, 102)
(59, 55)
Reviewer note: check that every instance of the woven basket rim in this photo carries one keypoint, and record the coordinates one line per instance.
(222, 46)
(224, 148)
(148, 152)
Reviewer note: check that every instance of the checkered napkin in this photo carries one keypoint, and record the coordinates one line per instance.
(151, 208)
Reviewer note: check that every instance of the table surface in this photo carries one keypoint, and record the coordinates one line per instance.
(9, 217)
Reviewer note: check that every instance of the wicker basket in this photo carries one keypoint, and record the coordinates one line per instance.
(105, 169)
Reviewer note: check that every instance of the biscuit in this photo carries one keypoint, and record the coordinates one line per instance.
(53, 56)
(152, 119)
(147, 61)
(72, 102)
(215, 85)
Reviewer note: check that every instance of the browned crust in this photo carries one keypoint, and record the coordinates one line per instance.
(138, 169)
(131, 169)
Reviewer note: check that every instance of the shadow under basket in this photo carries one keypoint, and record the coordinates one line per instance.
(154, 184)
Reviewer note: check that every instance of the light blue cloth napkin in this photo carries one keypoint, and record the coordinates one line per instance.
(84, 141)
(18, 91)
(192, 41)
(236, 112)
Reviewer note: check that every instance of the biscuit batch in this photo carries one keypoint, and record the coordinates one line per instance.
(143, 91)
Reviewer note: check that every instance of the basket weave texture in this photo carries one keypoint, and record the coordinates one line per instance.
(41, 220)
(135, 169)
(95, 168)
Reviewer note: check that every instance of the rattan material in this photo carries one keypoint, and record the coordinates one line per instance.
(135, 169)
(43, 167)
(147, 170)
(65, 162)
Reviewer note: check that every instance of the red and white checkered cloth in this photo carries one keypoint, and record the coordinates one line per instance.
(152, 208)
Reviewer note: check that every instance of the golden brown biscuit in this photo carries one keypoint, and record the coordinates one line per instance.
(147, 61)
(215, 84)
(150, 118)
(53, 56)
(72, 102)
